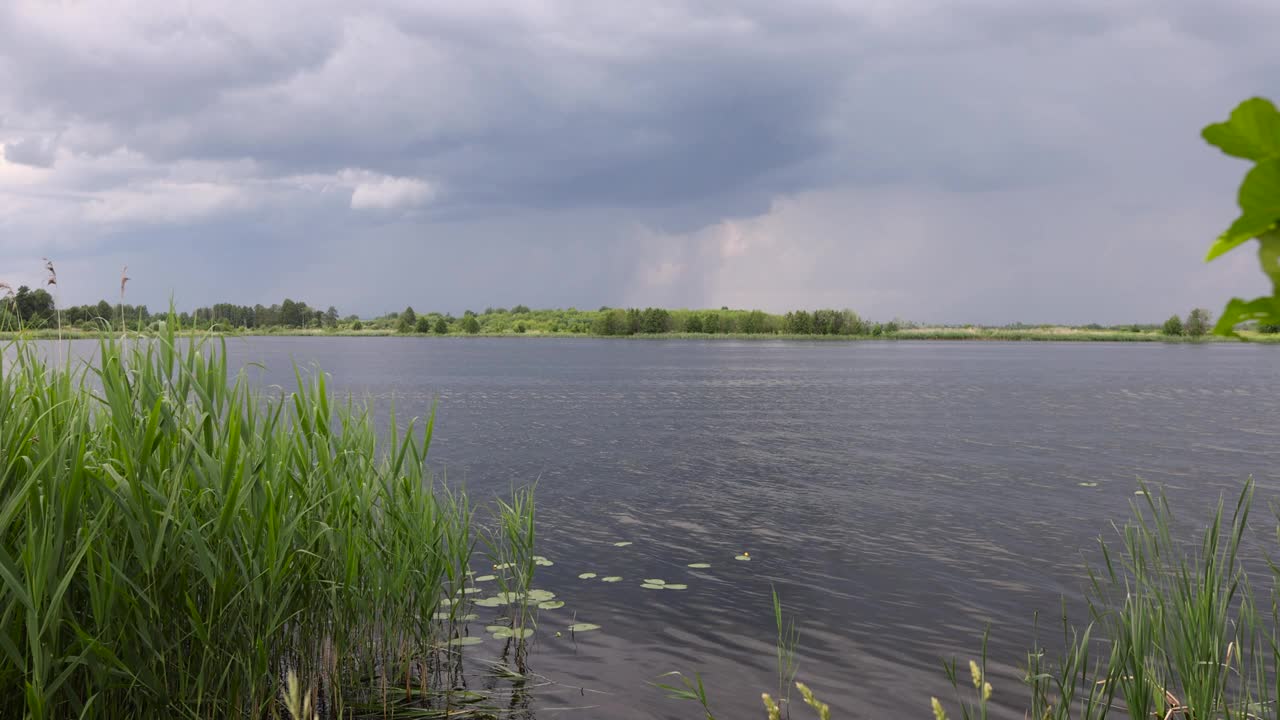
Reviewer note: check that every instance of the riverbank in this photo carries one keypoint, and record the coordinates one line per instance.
(949, 334)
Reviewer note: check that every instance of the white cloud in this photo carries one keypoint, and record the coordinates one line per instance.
(387, 193)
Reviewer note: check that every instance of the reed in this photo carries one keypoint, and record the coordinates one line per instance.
(176, 543)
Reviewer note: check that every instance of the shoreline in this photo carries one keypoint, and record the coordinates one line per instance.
(943, 335)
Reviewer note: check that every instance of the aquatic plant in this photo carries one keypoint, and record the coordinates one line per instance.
(174, 543)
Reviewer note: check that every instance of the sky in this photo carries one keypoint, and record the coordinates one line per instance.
(985, 161)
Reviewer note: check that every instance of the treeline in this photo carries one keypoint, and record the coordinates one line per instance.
(37, 309)
(609, 321)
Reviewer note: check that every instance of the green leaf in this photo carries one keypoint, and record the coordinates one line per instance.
(466, 641)
(675, 586)
(743, 557)
(651, 586)
(623, 543)
(486, 578)
(586, 576)
(551, 605)
(655, 581)
(1265, 310)
(1259, 199)
(537, 596)
(611, 579)
(583, 627)
(699, 566)
(1252, 132)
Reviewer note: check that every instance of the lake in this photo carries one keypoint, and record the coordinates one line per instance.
(898, 495)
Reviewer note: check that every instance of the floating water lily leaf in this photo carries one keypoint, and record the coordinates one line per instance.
(551, 605)
(655, 581)
(470, 590)
(543, 563)
(508, 597)
(699, 566)
(1088, 484)
(440, 616)
(496, 628)
(611, 578)
(583, 627)
(445, 602)
(486, 578)
(491, 602)
(586, 576)
(1139, 492)
(650, 586)
(466, 641)
(505, 632)
(503, 566)
(675, 586)
(623, 543)
(539, 558)
(469, 617)
(538, 596)
(743, 556)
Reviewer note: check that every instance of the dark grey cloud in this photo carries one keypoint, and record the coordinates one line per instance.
(620, 149)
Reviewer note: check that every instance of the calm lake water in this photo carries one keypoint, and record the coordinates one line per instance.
(899, 495)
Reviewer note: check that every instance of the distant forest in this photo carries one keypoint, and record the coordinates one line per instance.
(37, 309)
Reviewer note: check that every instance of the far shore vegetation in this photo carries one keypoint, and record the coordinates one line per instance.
(34, 313)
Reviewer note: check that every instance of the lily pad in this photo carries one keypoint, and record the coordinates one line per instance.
(506, 632)
(586, 576)
(469, 617)
(551, 605)
(623, 543)
(1088, 484)
(440, 616)
(699, 566)
(470, 590)
(469, 640)
(1139, 492)
(583, 627)
(743, 557)
(486, 578)
(491, 602)
(675, 586)
(651, 586)
(611, 578)
(543, 563)
(496, 628)
(537, 596)
(445, 602)
(655, 581)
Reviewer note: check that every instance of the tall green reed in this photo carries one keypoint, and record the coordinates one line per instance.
(176, 542)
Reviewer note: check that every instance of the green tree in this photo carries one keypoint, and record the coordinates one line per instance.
(711, 323)
(693, 323)
(407, 321)
(441, 327)
(1199, 322)
(799, 322)
(331, 317)
(423, 325)
(357, 326)
(520, 327)
(1172, 326)
(470, 325)
(520, 310)
(655, 320)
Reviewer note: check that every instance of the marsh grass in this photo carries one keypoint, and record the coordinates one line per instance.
(175, 543)
(1176, 630)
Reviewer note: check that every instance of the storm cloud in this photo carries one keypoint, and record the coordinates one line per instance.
(973, 161)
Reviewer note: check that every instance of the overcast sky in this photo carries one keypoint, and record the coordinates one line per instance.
(947, 161)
